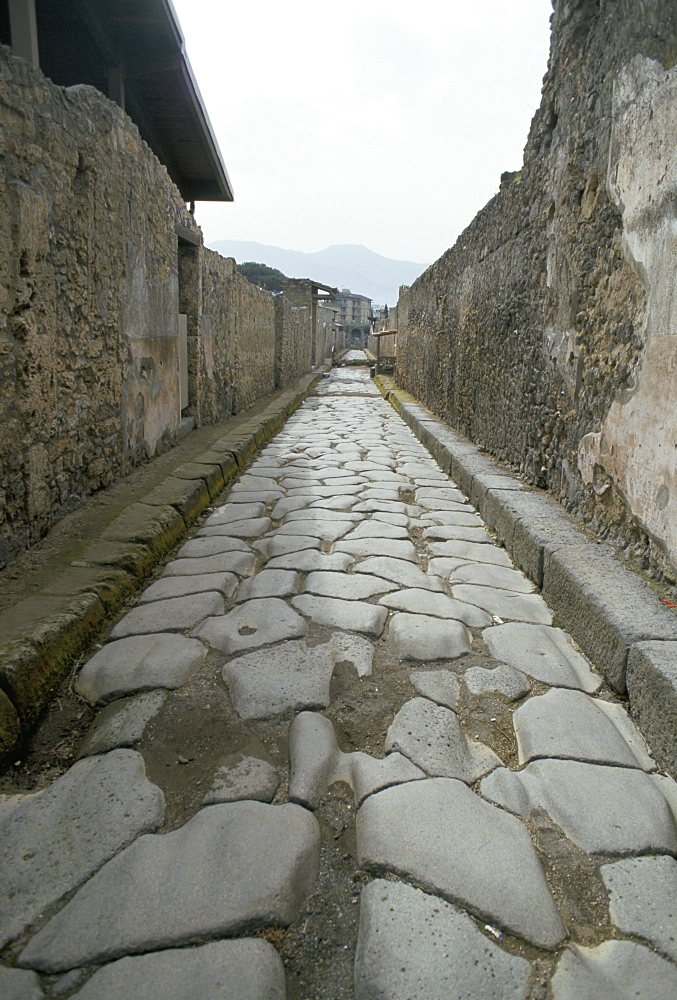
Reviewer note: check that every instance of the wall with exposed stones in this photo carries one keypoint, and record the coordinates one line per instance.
(548, 333)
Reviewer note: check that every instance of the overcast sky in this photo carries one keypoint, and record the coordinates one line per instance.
(378, 122)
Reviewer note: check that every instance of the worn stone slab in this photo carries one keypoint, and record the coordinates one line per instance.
(413, 945)
(459, 532)
(470, 519)
(399, 571)
(334, 503)
(471, 552)
(322, 514)
(431, 736)
(180, 586)
(254, 623)
(246, 969)
(353, 616)
(387, 517)
(52, 841)
(545, 653)
(503, 679)
(440, 686)
(291, 675)
(377, 529)
(422, 637)
(442, 836)
(423, 602)
(347, 586)
(317, 763)
(615, 970)
(148, 897)
(250, 527)
(325, 530)
(643, 900)
(427, 496)
(505, 604)
(233, 512)
(249, 482)
(251, 778)
(309, 561)
(391, 547)
(325, 492)
(269, 583)
(487, 575)
(139, 663)
(376, 492)
(388, 506)
(176, 614)
(121, 724)
(354, 649)
(19, 984)
(251, 495)
(652, 689)
(211, 543)
(275, 545)
(241, 563)
(571, 724)
(605, 810)
(288, 504)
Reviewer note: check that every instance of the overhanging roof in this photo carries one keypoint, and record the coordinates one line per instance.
(85, 41)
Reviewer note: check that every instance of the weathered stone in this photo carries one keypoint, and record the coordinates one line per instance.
(404, 573)
(652, 689)
(643, 900)
(431, 736)
(459, 532)
(251, 778)
(241, 563)
(180, 586)
(472, 552)
(505, 680)
(468, 518)
(320, 514)
(172, 615)
(211, 545)
(445, 838)
(391, 547)
(499, 577)
(326, 531)
(346, 586)
(421, 637)
(440, 686)
(412, 945)
(139, 663)
(377, 529)
(615, 970)
(573, 725)
(51, 841)
(254, 623)
(309, 561)
(233, 512)
(269, 583)
(148, 897)
(427, 496)
(605, 810)
(280, 546)
(505, 604)
(546, 654)
(19, 984)
(423, 602)
(354, 616)
(121, 724)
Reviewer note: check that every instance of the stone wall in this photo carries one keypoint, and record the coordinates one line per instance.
(548, 333)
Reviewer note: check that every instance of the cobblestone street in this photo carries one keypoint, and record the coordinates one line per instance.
(342, 750)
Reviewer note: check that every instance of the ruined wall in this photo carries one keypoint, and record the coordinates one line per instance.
(548, 333)
(294, 331)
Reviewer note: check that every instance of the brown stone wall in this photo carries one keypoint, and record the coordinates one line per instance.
(548, 333)
(294, 332)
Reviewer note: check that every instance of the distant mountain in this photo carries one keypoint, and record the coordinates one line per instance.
(344, 266)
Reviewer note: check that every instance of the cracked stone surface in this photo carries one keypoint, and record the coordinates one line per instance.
(212, 543)
(399, 571)
(547, 654)
(121, 724)
(413, 945)
(505, 680)
(19, 984)
(252, 624)
(240, 563)
(643, 900)
(53, 840)
(422, 602)
(180, 586)
(421, 637)
(346, 586)
(355, 616)
(173, 615)
(145, 898)
(251, 778)
(436, 831)
(615, 970)
(486, 575)
(440, 686)
(431, 736)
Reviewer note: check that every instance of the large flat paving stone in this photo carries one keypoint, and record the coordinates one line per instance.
(232, 868)
(347, 586)
(240, 563)
(571, 724)
(139, 663)
(269, 583)
(547, 654)
(377, 529)
(212, 543)
(19, 984)
(325, 530)
(309, 561)
(394, 547)
(320, 514)
(176, 614)
(291, 675)
(252, 624)
(413, 946)
(472, 552)
(504, 680)
(352, 616)
(399, 571)
(122, 723)
(460, 532)
(251, 778)
(283, 545)
(615, 970)
(423, 602)
(234, 512)
(422, 637)
(431, 736)
(443, 837)
(440, 686)
(180, 586)
(504, 603)
(499, 577)
(50, 842)
(248, 969)
(605, 810)
(643, 900)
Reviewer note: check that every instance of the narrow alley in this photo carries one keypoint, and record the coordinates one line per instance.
(343, 750)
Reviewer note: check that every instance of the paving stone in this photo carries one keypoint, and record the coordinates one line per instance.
(424, 470)
(546, 654)
(605, 810)
(347, 586)
(291, 675)
(249, 482)
(377, 492)
(241, 563)
(300, 482)
(327, 531)
(431, 736)
(378, 476)
(469, 519)
(428, 496)
(354, 649)
(422, 602)
(252, 624)
(327, 491)
(505, 604)
(335, 503)
(422, 637)
(388, 506)
(309, 561)
(173, 615)
(247, 969)
(211, 543)
(250, 495)
(250, 866)
(317, 762)
(573, 725)
(471, 552)
(354, 616)
(400, 571)
(250, 527)
(388, 517)
(251, 778)
(615, 970)
(53, 840)
(500, 577)
(289, 504)
(281, 546)
(269, 583)
(413, 946)
(505, 680)
(440, 686)
(121, 724)
(461, 532)
(139, 663)
(320, 514)
(180, 586)
(377, 529)
(19, 984)
(391, 547)
(643, 900)
(431, 504)
(443, 837)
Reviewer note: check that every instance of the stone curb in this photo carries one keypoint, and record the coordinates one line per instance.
(616, 619)
(65, 616)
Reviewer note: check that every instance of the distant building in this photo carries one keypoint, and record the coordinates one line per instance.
(354, 316)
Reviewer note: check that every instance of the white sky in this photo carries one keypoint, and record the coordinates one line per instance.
(377, 122)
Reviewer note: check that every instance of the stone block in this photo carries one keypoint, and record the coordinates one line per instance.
(188, 496)
(136, 559)
(652, 690)
(211, 475)
(159, 528)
